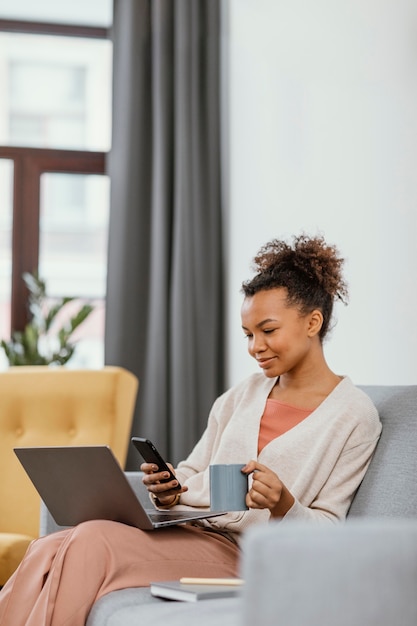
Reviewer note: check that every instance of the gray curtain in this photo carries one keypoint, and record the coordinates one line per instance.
(164, 309)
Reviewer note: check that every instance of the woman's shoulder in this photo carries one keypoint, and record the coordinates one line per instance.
(357, 404)
(353, 394)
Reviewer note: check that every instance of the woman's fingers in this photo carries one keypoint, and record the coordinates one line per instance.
(153, 480)
(266, 487)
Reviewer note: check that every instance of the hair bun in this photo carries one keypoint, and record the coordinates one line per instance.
(312, 256)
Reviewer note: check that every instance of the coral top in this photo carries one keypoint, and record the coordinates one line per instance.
(277, 418)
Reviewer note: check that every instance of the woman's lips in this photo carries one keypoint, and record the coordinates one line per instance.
(265, 362)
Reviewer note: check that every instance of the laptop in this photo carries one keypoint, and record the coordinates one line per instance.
(80, 483)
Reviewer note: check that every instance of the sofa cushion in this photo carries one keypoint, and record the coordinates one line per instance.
(389, 486)
(130, 607)
(361, 572)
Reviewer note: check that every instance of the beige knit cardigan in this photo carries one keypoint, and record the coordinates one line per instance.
(321, 460)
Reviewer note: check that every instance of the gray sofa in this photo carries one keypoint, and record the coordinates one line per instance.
(361, 572)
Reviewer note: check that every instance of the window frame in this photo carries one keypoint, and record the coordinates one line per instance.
(44, 28)
(29, 164)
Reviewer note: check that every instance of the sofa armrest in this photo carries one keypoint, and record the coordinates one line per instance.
(359, 572)
(48, 525)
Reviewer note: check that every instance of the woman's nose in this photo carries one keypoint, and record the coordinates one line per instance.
(257, 344)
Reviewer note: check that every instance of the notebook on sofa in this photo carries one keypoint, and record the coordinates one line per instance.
(194, 589)
(80, 483)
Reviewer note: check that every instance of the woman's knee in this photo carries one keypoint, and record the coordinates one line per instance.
(93, 530)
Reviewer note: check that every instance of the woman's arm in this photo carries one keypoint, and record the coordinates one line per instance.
(331, 503)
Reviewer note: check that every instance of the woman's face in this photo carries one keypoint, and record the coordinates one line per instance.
(278, 336)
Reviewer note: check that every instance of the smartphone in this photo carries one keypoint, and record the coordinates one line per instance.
(151, 455)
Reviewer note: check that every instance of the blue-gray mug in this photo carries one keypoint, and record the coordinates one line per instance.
(228, 487)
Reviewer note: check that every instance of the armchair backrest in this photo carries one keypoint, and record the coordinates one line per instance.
(57, 406)
(389, 488)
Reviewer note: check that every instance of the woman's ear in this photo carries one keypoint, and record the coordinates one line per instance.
(315, 322)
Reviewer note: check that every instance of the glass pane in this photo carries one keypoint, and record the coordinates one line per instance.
(56, 92)
(87, 12)
(74, 215)
(6, 202)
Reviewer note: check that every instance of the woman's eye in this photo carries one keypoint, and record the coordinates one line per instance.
(247, 336)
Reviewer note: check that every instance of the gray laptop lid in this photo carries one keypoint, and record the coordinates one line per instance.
(80, 483)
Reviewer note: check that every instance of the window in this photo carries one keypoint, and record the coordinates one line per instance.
(84, 12)
(74, 208)
(57, 91)
(55, 129)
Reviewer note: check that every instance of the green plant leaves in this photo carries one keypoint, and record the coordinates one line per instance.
(37, 344)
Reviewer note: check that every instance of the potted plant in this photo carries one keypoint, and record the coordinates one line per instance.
(44, 341)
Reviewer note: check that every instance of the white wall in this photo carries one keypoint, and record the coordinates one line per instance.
(321, 112)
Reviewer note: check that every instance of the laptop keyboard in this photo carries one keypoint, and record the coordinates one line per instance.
(166, 517)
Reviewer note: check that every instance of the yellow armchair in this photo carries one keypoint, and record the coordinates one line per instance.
(53, 406)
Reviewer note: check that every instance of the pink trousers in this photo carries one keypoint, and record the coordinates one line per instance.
(64, 573)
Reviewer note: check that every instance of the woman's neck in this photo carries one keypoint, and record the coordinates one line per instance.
(306, 390)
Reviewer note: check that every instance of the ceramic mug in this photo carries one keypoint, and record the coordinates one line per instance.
(228, 487)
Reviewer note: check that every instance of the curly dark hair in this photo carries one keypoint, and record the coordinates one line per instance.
(309, 269)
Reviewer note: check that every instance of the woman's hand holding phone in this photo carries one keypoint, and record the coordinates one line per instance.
(159, 478)
(167, 493)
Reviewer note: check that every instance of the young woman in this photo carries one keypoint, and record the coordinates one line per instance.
(304, 433)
